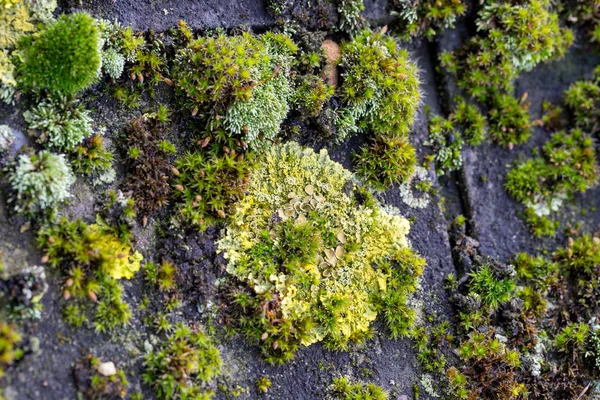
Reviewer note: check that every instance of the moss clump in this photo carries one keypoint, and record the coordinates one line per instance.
(581, 259)
(91, 157)
(64, 58)
(351, 20)
(567, 166)
(426, 17)
(92, 258)
(509, 120)
(184, 366)
(385, 162)
(263, 384)
(148, 162)
(380, 95)
(17, 19)
(40, 181)
(210, 185)
(119, 46)
(582, 99)
(513, 37)
(305, 245)
(470, 122)
(311, 94)
(446, 143)
(59, 124)
(343, 388)
(380, 89)
(243, 79)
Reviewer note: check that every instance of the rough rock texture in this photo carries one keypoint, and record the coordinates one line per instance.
(389, 363)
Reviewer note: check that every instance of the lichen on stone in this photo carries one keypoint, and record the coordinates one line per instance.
(306, 243)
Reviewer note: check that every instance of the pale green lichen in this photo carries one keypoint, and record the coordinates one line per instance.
(40, 181)
(7, 138)
(60, 125)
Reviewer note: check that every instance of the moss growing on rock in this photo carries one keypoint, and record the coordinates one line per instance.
(305, 245)
(59, 124)
(64, 58)
(40, 181)
(567, 166)
(343, 388)
(91, 258)
(184, 366)
(380, 89)
(243, 79)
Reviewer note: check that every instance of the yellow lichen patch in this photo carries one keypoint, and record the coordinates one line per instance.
(15, 22)
(115, 257)
(310, 248)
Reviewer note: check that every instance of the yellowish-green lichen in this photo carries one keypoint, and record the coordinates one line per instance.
(308, 245)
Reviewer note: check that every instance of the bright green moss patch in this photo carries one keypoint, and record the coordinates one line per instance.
(513, 37)
(318, 259)
(567, 166)
(210, 185)
(343, 388)
(184, 366)
(582, 99)
(380, 95)
(509, 120)
(64, 58)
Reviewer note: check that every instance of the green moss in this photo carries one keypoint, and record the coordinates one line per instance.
(40, 181)
(91, 157)
(428, 343)
(380, 89)
(343, 388)
(9, 352)
(162, 276)
(513, 37)
(582, 99)
(567, 166)
(311, 94)
(385, 162)
(243, 79)
(426, 17)
(509, 120)
(470, 122)
(64, 58)
(494, 290)
(263, 384)
(305, 249)
(446, 143)
(350, 11)
(59, 124)
(209, 185)
(571, 341)
(91, 259)
(184, 366)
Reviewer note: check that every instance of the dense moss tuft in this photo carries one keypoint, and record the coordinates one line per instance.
(64, 58)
